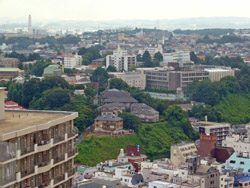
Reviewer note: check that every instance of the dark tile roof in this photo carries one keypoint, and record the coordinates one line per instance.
(117, 96)
(141, 108)
(108, 118)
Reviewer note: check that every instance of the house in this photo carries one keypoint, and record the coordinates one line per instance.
(112, 108)
(11, 105)
(145, 112)
(108, 123)
(117, 96)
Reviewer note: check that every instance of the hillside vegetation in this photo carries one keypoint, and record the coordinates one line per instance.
(155, 139)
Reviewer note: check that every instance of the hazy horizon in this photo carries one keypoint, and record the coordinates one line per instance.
(110, 10)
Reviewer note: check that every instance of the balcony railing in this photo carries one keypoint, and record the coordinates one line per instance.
(44, 163)
(59, 139)
(27, 172)
(72, 152)
(71, 172)
(27, 149)
(43, 142)
(45, 184)
(59, 159)
(59, 178)
(73, 132)
(7, 179)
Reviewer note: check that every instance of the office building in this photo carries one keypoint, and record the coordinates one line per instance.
(121, 60)
(36, 148)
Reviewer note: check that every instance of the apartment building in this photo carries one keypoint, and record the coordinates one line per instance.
(9, 62)
(36, 148)
(180, 57)
(72, 61)
(221, 130)
(239, 161)
(181, 152)
(121, 60)
(7, 73)
(133, 79)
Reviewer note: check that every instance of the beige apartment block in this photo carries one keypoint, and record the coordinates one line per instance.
(133, 79)
(37, 149)
(181, 152)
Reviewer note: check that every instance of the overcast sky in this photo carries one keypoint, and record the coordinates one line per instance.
(122, 9)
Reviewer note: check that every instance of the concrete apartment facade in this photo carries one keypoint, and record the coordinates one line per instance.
(71, 61)
(221, 130)
(121, 60)
(9, 62)
(37, 148)
(180, 153)
(133, 79)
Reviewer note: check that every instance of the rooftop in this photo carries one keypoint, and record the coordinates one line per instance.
(18, 120)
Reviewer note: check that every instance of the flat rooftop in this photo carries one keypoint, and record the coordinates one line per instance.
(18, 120)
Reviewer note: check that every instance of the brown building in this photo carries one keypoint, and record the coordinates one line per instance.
(7, 73)
(207, 145)
(9, 62)
(107, 123)
(100, 61)
(36, 148)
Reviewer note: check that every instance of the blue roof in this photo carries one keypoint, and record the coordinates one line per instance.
(246, 178)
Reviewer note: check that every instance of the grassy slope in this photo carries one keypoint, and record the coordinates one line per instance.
(155, 140)
(235, 108)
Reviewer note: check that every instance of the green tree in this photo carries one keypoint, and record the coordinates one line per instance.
(100, 75)
(130, 121)
(158, 56)
(132, 68)
(117, 83)
(194, 58)
(146, 59)
(90, 91)
(111, 69)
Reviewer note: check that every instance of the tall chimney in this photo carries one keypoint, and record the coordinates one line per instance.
(2, 97)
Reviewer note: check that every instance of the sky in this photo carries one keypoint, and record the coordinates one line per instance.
(101, 10)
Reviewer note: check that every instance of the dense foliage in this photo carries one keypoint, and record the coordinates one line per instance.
(214, 32)
(130, 121)
(229, 98)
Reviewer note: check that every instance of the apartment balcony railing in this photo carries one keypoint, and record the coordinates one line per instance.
(72, 152)
(27, 149)
(43, 142)
(44, 163)
(71, 172)
(73, 132)
(7, 179)
(59, 179)
(44, 184)
(59, 139)
(27, 172)
(59, 159)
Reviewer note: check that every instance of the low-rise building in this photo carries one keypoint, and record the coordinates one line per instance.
(181, 152)
(7, 73)
(133, 79)
(9, 62)
(221, 130)
(144, 112)
(52, 70)
(72, 61)
(108, 123)
(239, 161)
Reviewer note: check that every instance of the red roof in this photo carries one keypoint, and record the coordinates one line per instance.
(202, 57)
(5, 92)
(10, 103)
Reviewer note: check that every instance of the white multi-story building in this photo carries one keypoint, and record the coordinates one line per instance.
(239, 143)
(180, 56)
(121, 60)
(71, 61)
(152, 50)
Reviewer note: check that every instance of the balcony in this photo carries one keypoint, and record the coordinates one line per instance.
(44, 146)
(59, 179)
(7, 179)
(45, 184)
(73, 133)
(71, 172)
(27, 172)
(27, 150)
(59, 159)
(59, 139)
(72, 152)
(44, 166)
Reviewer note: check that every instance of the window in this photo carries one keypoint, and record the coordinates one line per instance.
(232, 161)
(242, 162)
